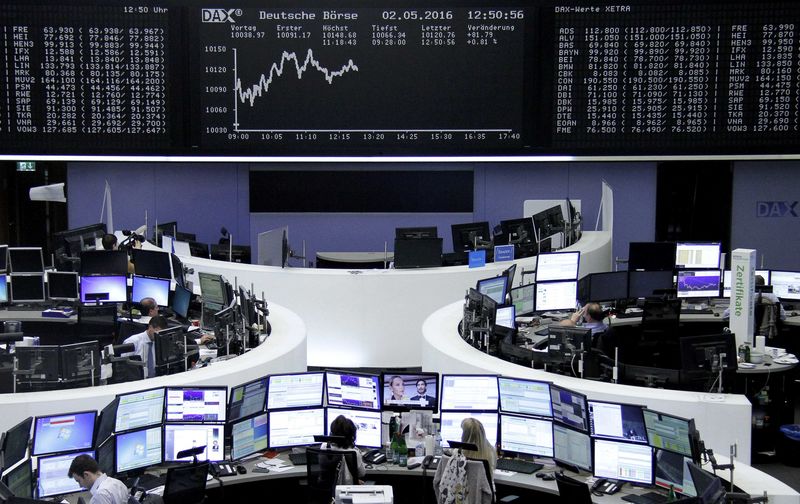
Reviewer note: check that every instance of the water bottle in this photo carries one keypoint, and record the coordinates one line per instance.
(437, 448)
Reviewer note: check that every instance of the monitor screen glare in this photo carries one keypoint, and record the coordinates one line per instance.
(358, 391)
(531, 436)
(156, 288)
(140, 409)
(249, 436)
(180, 437)
(70, 431)
(617, 421)
(469, 393)
(451, 425)
(196, 405)
(295, 391)
(52, 475)
(295, 427)
(368, 425)
(697, 255)
(557, 266)
(556, 296)
(698, 283)
(623, 461)
(139, 448)
(527, 397)
(672, 470)
(106, 289)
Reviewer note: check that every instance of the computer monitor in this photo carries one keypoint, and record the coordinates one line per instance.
(556, 295)
(623, 461)
(106, 456)
(523, 299)
(517, 231)
(598, 287)
(26, 288)
(505, 316)
(569, 408)
(167, 228)
(183, 436)
(368, 425)
(42, 361)
(451, 425)
(198, 249)
(509, 273)
(415, 233)
(548, 222)
(469, 393)
(15, 442)
(471, 236)
(623, 422)
(20, 480)
(62, 286)
(3, 288)
(526, 397)
(697, 255)
(104, 263)
(708, 486)
(353, 390)
(25, 260)
(3, 258)
(668, 432)
(248, 399)
(142, 408)
(786, 284)
(698, 283)
(105, 289)
(170, 348)
(180, 301)
(526, 435)
(672, 471)
(72, 242)
(417, 253)
(152, 263)
(651, 376)
(642, 284)
(402, 392)
(651, 256)
(52, 476)
(299, 390)
(295, 427)
(212, 288)
(705, 353)
(572, 448)
(137, 449)
(224, 252)
(249, 436)
(61, 433)
(106, 421)
(727, 281)
(80, 362)
(557, 266)
(196, 404)
(495, 287)
(156, 288)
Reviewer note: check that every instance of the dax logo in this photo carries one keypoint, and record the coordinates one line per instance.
(776, 209)
(220, 15)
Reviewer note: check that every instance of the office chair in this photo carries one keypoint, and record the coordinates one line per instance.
(324, 469)
(572, 491)
(475, 469)
(186, 484)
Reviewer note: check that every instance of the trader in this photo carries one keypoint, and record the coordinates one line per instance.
(591, 314)
(105, 489)
(143, 345)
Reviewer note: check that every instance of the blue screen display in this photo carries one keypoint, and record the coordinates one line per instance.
(114, 289)
(71, 431)
(3, 289)
(156, 288)
(138, 449)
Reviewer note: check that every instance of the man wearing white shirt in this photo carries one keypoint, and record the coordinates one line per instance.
(143, 344)
(105, 490)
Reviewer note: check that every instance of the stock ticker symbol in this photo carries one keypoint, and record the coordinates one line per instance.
(220, 15)
(776, 209)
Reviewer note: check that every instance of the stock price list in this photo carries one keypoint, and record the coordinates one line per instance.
(77, 76)
(699, 78)
(360, 80)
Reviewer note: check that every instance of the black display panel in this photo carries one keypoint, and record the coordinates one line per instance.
(85, 78)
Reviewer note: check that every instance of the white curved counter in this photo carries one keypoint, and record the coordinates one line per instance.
(722, 419)
(373, 318)
(283, 352)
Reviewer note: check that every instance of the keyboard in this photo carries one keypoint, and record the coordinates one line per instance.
(298, 459)
(689, 311)
(646, 498)
(516, 465)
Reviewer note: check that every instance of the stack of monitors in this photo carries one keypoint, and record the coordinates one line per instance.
(248, 418)
(556, 281)
(465, 396)
(572, 445)
(195, 416)
(620, 443)
(357, 397)
(138, 437)
(673, 439)
(295, 409)
(57, 440)
(526, 425)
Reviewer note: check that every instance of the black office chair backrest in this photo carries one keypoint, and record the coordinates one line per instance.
(661, 314)
(323, 469)
(97, 322)
(572, 491)
(186, 484)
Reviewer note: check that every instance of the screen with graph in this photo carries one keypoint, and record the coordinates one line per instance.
(461, 78)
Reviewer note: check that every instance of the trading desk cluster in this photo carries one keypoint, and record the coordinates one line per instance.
(99, 289)
(524, 418)
(669, 279)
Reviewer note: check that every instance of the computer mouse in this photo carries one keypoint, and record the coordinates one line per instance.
(241, 469)
(716, 314)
